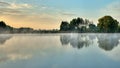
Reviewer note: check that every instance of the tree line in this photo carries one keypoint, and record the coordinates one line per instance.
(106, 24)
(4, 28)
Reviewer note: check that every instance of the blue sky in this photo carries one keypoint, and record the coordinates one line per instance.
(48, 14)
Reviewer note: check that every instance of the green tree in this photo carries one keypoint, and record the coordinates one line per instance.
(74, 24)
(2, 24)
(92, 28)
(107, 24)
(118, 30)
(83, 29)
(64, 26)
(86, 21)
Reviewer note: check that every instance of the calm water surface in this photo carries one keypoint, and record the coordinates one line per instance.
(60, 51)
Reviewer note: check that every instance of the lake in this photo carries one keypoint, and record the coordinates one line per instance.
(60, 50)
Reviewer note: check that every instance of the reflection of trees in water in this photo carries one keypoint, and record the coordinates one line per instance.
(105, 41)
(3, 39)
(65, 39)
(108, 41)
(77, 40)
(3, 59)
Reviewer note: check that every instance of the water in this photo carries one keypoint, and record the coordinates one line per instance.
(60, 51)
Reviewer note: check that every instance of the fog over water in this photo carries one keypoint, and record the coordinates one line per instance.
(71, 50)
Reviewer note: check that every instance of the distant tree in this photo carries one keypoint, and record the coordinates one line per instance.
(83, 29)
(92, 28)
(118, 30)
(74, 24)
(86, 21)
(79, 21)
(25, 30)
(5, 28)
(107, 24)
(64, 26)
(2, 24)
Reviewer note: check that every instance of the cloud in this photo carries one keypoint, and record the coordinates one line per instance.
(36, 21)
(7, 11)
(4, 4)
(14, 5)
(25, 15)
(44, 7)
(13, 8)
(37, 16)
(68, 14)
(19, 6)
(112, 9)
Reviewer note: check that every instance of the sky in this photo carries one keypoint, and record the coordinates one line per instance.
(48, 14)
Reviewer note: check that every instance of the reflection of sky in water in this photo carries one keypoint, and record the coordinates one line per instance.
(60, 51)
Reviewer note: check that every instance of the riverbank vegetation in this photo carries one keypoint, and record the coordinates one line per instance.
(106, 24)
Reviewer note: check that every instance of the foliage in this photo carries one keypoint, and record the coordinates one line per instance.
(2, 24)
(64, 26)
(118, 30)
(92, 28)
(107, 24)
(74, 24)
